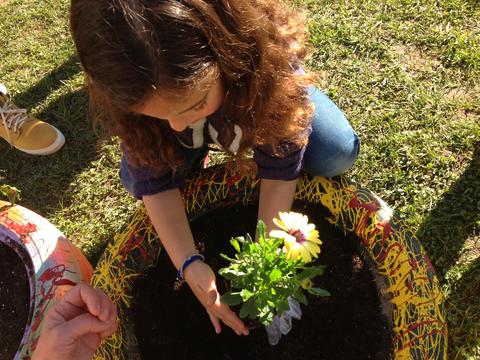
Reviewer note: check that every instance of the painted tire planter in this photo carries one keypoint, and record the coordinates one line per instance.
(410, 287)
(53, 264)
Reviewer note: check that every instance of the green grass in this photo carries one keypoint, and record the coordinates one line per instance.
(406, 73)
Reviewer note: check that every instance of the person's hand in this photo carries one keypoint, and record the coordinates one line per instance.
(201, 279)
(75, 326)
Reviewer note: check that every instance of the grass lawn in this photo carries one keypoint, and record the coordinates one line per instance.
(406, 73)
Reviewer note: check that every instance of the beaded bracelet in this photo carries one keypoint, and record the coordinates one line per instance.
(179, 280)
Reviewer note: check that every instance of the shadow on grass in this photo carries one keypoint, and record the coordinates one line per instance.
(51, 82)
(463, 314)
(443, 235)
(44, 180)
(453, 220)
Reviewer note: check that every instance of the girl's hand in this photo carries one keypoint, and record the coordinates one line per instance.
(201, 279)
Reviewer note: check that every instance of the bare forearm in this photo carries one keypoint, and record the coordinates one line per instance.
(275, 196)
(167, 213)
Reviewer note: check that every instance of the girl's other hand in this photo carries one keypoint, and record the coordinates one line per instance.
(201, 279)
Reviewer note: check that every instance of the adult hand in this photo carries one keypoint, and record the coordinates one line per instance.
(75, 326)
(201, 279)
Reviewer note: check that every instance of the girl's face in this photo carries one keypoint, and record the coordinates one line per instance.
(183, 112)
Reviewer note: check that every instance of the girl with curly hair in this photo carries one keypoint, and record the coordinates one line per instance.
(170, 77)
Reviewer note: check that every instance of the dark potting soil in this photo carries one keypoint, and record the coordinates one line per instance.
(14, 301)
(347, 325)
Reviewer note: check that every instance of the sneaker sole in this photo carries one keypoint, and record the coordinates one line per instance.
(57, 145)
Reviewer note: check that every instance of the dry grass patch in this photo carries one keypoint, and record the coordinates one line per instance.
(471, 250)
(415, 59)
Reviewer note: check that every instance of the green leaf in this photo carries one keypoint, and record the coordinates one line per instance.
(266, 316)
(225, 272)
(231, 298)
(246, 294)
(235, 244)
(231, 273)
(300, 297)
(275, 274)
(12, 193)
(248, 309)
(261, 228)
(240, 239)
(318, 291)
(282, 306)
(311, 272)
(271, 256)
(227, 258)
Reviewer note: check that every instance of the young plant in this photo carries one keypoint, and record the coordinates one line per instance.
(264, 275)
(10, 192)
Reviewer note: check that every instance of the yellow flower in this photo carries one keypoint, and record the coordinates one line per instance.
(300, 238)
(306, 284)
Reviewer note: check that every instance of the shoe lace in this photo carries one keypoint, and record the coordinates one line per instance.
(13, 118)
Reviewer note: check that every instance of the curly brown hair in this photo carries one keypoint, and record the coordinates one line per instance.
(131, 48)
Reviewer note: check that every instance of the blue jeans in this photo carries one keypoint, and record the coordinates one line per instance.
(333, 146)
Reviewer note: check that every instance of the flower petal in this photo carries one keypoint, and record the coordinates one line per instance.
(279, 234)
(301, 239)
(313, 248)
(303, 221)
(289, 240)
(313, 236)
(305, 254)
(294, 250)
(287, 219)
(280, 224)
